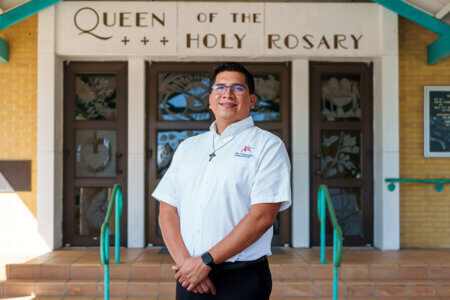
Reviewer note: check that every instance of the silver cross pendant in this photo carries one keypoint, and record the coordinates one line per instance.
(211, 156)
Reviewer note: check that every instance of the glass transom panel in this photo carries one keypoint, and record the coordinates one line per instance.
(341, 154)
(95, 153)
(183, 97)
(95, 97)
(340, 99)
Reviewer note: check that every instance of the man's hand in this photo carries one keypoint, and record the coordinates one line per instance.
(191, 272)
(205, 286)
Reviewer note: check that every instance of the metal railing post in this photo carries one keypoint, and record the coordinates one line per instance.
(106, 279)
(116, 200)
(118, 216)
(335, 268)
(323, 201)
(322, 212)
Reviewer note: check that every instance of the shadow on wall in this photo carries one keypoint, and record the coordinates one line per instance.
(19, 237)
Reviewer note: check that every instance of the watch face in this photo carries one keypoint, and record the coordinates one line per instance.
(207, 258)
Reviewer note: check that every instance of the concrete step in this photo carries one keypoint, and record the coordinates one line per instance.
(128, 271)
(417, 289)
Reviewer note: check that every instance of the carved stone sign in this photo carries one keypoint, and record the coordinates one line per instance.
(216, 29)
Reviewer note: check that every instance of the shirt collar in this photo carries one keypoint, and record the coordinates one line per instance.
(234, 128)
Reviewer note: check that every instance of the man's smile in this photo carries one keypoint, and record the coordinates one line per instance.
(228, 104)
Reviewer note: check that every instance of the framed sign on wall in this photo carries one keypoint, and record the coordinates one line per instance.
(436, 121)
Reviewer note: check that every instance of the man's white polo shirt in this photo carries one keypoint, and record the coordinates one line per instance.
(251, 166)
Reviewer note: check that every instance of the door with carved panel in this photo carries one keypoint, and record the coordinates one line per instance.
(95, 148)
(341, 148)
(178, 107)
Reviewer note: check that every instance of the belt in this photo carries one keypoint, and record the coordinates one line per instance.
(238, 264)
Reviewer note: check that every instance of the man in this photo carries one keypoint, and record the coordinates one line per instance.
(220, 197)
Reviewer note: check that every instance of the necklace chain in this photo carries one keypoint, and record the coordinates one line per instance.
(213, 154)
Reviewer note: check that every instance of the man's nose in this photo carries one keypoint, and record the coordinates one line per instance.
(228, 93)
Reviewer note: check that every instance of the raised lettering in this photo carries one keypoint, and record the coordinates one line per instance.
(206, 40)
(159, 20)
(356, 40)
(201, 17)
(287, 42)
(310, 44)
(323, 41)
(123, 16)
(189, 39)
(239, 40)
(272, 39)
(256, 18)
(223, 42)
(338, 38)
(246, 17)
(234, 17)
(105, 20)
(139, 17)
(212, 16)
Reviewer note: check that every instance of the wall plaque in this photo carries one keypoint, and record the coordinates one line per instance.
(437, 121)
(15, 175)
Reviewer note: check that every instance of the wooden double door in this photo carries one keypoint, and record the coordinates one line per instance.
(341, 148)
(178, 107)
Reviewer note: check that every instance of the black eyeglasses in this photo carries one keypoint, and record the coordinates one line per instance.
(220, 89)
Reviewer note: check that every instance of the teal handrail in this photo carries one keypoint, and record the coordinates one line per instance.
(323, 201)
(438, 187)
(117, 200)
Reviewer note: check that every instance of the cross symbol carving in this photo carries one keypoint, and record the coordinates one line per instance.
(164, 41)
(145, 40)
(125, 40)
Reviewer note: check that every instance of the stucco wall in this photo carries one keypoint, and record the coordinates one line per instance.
(424, 213)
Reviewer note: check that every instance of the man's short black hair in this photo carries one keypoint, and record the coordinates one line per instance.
(234, 67)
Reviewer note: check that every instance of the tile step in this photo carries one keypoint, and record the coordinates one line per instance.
(171, 298)
(293, 288)
(128, 271)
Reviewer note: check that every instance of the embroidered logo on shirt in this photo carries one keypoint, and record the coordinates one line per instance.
(244, 152)
(247, 149)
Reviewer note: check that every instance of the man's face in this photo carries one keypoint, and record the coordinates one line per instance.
(229, 107)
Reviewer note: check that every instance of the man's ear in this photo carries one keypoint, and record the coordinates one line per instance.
(252, 100)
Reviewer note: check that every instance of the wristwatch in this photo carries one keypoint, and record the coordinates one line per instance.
(208, 259)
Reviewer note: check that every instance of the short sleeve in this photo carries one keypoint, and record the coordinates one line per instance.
(167, 189)
(272, 180)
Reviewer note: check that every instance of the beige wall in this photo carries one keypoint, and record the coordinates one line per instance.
(424, 213)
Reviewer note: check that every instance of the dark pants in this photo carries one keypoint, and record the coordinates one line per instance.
(235, 281)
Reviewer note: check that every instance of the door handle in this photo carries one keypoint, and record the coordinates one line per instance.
(118, 170)
(318, 172)
(317, 155)
(149, 153)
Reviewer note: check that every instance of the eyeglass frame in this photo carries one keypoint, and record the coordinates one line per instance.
(232, 89)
